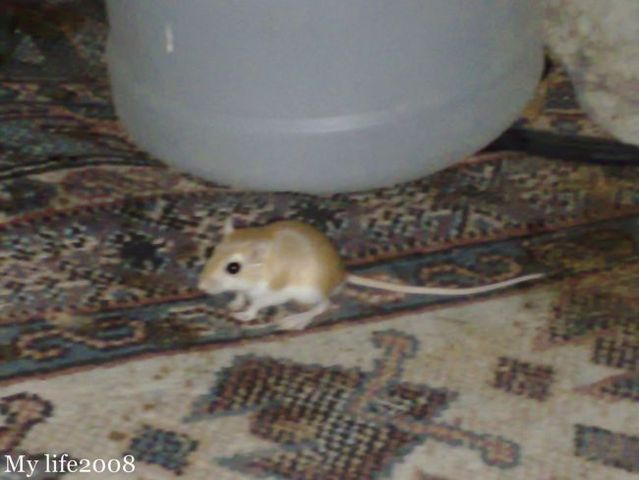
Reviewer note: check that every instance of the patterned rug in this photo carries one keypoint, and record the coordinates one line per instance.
(109, 354)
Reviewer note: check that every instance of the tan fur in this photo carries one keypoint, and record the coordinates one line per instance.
(294, 254)
(302, 256)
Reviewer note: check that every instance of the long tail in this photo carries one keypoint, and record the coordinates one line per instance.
(416, 290)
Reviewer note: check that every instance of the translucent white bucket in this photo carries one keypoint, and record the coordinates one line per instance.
(320, 95)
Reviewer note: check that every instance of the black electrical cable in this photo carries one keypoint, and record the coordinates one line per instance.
(564, 147)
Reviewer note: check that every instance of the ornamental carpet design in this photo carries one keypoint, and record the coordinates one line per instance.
(107, 350)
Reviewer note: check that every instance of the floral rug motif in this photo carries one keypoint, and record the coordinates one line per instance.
(109, 353)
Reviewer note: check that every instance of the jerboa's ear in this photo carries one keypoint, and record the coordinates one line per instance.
(228, 226)
(258, 252)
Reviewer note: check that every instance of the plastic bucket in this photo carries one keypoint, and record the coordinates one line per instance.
(320, 95)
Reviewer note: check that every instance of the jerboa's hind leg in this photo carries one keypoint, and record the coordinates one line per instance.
(299, 321)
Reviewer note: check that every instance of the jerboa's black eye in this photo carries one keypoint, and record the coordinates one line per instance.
(233, 268)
